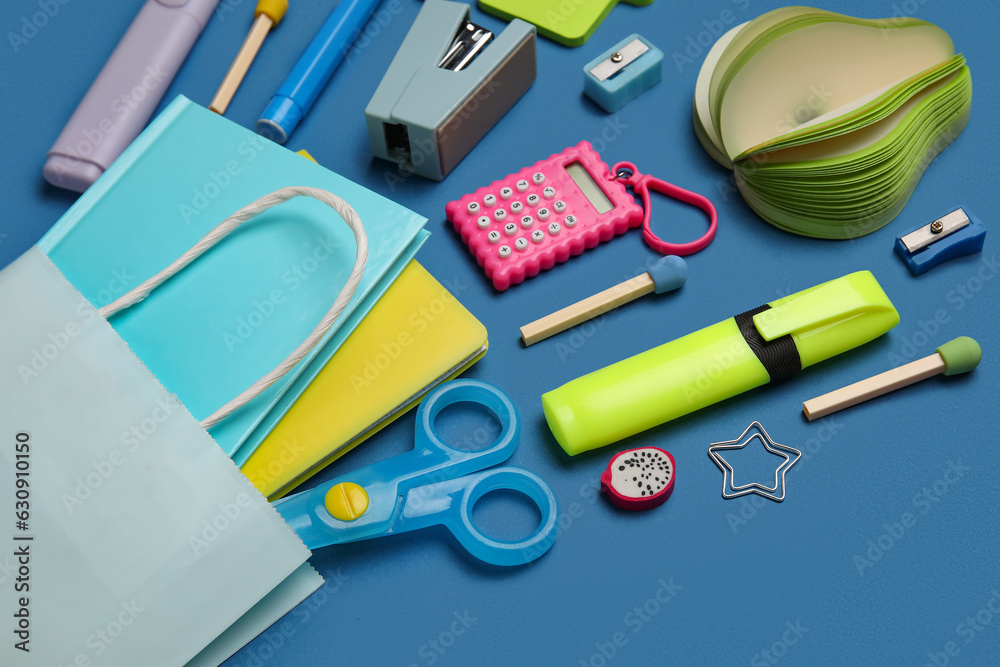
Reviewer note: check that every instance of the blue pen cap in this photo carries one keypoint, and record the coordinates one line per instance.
(279, 119)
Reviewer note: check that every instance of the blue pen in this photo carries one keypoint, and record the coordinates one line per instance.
(313, 70)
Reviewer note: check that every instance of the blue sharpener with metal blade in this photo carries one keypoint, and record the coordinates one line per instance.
(623, 73)
(954, 235)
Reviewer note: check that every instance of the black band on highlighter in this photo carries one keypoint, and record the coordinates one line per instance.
(780, 357)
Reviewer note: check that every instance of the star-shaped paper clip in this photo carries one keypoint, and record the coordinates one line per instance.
(775, 493)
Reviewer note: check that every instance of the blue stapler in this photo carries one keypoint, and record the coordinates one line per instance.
(449, 84)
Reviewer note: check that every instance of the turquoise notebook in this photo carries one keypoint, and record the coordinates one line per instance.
(236, 312)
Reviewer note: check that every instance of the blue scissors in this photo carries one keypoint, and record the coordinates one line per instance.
(433, 484)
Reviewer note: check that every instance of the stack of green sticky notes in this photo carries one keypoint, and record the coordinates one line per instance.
(829, 121)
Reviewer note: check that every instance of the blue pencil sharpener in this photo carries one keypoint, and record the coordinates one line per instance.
(623, 73)
(954, 235)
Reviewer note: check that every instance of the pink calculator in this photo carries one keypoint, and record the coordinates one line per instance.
(544, 214)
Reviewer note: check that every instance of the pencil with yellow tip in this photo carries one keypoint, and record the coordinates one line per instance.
(267, 15)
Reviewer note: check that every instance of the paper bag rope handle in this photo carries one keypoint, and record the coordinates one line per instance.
(223, 229)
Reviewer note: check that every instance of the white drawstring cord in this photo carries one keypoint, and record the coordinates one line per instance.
(222, 230)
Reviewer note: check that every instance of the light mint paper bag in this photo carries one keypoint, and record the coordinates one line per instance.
(127, 537)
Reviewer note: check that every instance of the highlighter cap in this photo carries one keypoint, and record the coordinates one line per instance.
(830, 318)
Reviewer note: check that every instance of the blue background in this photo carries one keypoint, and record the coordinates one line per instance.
(738, 573)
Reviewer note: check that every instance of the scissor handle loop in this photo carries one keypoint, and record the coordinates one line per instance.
(500, 552)
(468, 391)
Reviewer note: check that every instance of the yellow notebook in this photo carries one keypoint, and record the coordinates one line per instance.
(417, 336)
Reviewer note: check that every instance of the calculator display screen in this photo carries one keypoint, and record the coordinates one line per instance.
(589, 187)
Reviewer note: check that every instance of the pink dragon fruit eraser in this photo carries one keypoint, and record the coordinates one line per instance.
(639, 479)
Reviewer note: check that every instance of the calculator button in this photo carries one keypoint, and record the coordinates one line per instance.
(510, 229)
(522, 185)
(532, 200)
(500, 214)
(554, 228)
(504, 251)
(527, 221)
(544, 213)
(538, 178)
(483, 221)
(506, 193)
(548, 193)
(516, 207)
(493, 237)
(570, 220)
(559, 206)
(521, 244)
(473, 207)
(538, 236)
(490, 200)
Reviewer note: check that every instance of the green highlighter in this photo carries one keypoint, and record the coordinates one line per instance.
(766, 344)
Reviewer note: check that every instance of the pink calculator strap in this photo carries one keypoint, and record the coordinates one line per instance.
(642, 184)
